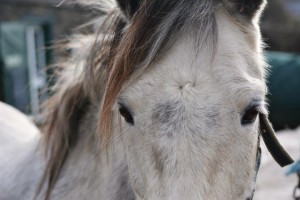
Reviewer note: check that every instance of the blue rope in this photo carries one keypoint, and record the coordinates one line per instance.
(293, 169)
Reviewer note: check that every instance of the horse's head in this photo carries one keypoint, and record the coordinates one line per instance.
(194, 91)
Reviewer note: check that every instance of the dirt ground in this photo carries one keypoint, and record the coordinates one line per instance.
(272, 184)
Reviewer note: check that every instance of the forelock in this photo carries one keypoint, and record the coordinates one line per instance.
(146, 38)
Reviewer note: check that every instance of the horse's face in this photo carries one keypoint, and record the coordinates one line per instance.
(190, 125)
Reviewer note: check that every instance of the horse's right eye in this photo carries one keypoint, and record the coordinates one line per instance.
(250, 115)
(126, 114)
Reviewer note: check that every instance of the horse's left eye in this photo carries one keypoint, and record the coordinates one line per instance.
(126, 114)
(250, 115)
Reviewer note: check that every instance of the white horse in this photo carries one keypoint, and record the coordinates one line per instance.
(16, 129)
(161, 103)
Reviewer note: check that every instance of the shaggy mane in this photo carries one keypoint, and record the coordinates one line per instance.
(118, 51)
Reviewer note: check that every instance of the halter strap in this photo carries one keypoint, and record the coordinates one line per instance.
(277, 151)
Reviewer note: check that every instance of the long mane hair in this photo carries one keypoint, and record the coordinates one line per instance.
(122, 46)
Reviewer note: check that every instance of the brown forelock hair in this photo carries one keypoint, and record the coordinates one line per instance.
(150, 33)
(121, 51)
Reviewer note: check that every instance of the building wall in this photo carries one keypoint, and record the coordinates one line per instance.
(63, 18)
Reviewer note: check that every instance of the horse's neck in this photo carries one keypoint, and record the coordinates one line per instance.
(15, 129)
(21, 167)
(85, 175)
(20, 163)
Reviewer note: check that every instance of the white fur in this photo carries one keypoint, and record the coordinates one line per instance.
(18, 138)
(16, 128)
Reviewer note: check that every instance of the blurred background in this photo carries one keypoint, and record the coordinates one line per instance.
(28, 29)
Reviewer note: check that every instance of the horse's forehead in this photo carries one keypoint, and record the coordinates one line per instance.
(239, 47)
(236, 65)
